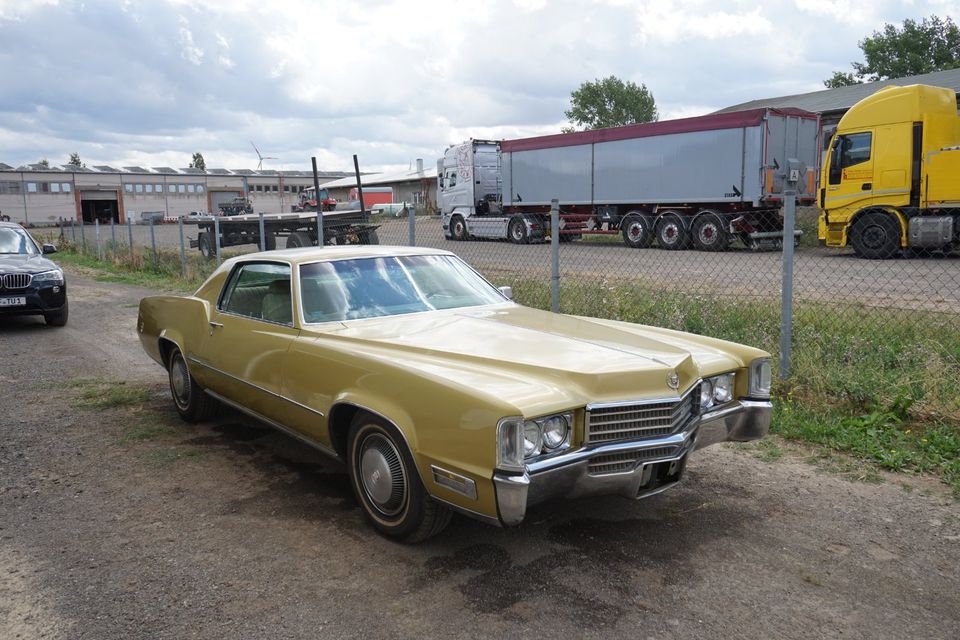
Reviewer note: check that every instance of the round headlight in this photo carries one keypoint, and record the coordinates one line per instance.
(555, 431)
(706, 394)
(723, 388)
(532, 439)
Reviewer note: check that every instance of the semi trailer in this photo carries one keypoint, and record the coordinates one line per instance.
(693, 182)
(891, 176)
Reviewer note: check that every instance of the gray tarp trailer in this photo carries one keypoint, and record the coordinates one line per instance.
(697, 182)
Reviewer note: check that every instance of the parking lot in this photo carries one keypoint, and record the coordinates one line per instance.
(124, 522)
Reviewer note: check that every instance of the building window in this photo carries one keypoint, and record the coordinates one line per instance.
(128, 188)
(65, 187)
(191, 188)
(31, 187)
(149, 188)
(172, 188)
(10, 187)
(138, 188)
(273, 188)
(199, 188)
(181, 188)
(54, 187)
(45, 187)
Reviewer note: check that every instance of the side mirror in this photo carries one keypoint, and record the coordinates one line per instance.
(49, 248)
(507, 292)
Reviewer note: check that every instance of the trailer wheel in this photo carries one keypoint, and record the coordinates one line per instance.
(709, 233)
(269, 242)
(637, 231)
(517, 231)
(299, 239)
(458, 228)
(205, 244)
(369, 237)
(671, 233)
(875, 235)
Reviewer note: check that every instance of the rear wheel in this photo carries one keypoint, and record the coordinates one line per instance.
(192, 403)
(517, 231)
(709, 233)
(205, 244)
(269, 242)
(671, 233)
(637, 231)
(299, 239)
(458, 228)
(876, 235)
(369, 237)
(386, 483)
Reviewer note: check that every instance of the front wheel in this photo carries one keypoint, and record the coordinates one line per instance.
(205, 244)
(458, 228)
(192, 402)
(385, 481)
(876, 235)
(517, 231)
(59, 318)
(299, 239)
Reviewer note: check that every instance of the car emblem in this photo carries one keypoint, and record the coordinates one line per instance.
(673, 380)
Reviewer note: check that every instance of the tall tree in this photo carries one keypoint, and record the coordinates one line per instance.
(915, 48)
(198, 162)
(74, 160)
(611, 102)
(44, 163)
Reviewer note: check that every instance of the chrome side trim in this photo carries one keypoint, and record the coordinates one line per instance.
(454, 481)
(254, 386)
(276, 425)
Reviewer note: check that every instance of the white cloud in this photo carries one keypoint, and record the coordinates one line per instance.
(189, 50)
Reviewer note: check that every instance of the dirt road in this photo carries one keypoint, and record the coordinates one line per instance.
(125, 523)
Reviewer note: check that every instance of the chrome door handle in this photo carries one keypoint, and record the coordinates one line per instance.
(215, 324)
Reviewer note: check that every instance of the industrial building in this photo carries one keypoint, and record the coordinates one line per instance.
(416, 186)
(40, 195)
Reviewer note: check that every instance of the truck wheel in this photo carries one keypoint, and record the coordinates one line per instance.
(369, 237)
(709, 233)
(299, 239)
(458, 228)
(517, 231)
(671, 234)
(205, 244)
(876, 235)
(637, 231)
(270, 242)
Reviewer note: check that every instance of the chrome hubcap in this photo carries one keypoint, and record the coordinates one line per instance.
(382, 474)
(708, 233)
(180, 382)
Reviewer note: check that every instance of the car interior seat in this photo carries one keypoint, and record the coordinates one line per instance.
(277, 306)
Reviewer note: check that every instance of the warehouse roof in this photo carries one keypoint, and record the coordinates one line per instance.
(374, 179)
(102, 168)
(842, 98)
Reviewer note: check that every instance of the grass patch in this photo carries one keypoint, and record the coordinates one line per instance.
(168, 457)
(139, 434)
(108, 394)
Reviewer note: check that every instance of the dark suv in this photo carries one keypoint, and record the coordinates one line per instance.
(30, 284)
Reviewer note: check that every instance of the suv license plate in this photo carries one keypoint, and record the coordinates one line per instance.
(13, 302)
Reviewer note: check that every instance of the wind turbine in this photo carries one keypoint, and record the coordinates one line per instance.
(261, 157)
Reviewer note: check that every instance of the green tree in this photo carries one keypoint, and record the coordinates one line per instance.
(611, 102)
(198, 162)
(915, 48)
(44, 163)
(74, 160)
(840, 79)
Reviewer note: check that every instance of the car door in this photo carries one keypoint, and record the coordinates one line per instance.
(850, 179)
(249, 334)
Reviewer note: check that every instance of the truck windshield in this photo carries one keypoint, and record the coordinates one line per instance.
(375, 287)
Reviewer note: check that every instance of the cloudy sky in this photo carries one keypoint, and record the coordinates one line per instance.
(127, 82)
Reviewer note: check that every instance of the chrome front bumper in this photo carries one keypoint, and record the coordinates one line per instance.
(641, 468)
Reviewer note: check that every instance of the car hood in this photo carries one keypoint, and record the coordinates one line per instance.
(16, 263)
(535, 360)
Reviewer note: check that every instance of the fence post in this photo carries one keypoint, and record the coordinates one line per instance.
(316, 193)
(786, 307)
(183, 251)
(411, 226)
(153, 244)
(319, 228)
(83, 237)
(263, 237)
(73, 231)
(96, 235)
(113, 237)
(216, 237)
(555, 255)
(130, 236)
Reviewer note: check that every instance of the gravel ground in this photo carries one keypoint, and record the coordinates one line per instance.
(126, 523)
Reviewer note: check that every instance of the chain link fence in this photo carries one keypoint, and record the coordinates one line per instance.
(865, 332)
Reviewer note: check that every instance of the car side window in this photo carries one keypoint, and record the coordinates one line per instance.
(260, 290)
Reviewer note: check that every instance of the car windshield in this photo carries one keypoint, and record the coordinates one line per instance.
(374, 287)
(16, 241)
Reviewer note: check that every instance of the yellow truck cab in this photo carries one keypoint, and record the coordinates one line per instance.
(891, 175)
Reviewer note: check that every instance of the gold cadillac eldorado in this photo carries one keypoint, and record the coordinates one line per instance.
(441, 394)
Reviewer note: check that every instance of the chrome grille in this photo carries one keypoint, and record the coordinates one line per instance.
(623, 462)
(647, 419)
(16, 280)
